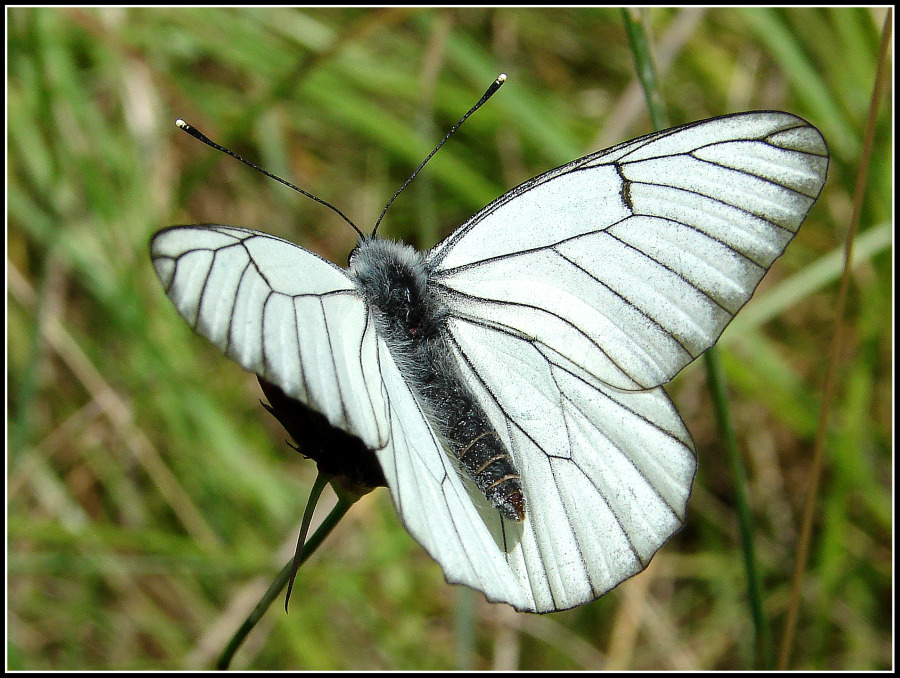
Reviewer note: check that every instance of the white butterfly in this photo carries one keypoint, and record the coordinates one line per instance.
(553, 317)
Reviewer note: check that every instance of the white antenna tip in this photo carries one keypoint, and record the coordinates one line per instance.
(501, 78)
(180, 123)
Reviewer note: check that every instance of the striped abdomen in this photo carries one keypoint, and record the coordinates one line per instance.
(471, 439)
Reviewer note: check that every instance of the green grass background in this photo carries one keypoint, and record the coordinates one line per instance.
(151, 499)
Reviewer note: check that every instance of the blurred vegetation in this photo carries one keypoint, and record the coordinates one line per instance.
(151, 498)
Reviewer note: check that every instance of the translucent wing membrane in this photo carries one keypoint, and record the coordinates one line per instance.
(606, 474)
(627, 264)
(281, 312)
(439, 506)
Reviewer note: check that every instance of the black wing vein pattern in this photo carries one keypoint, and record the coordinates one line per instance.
(654, 284)
(619, 503)
(594, 284)
(558, 474)
(280, 312)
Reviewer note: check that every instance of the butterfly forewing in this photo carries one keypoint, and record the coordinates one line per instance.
(281, 312)
(637, 258)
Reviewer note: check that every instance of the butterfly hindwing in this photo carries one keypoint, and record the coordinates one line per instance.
(606, 473)
(439, 506)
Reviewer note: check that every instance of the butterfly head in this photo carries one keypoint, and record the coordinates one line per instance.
(393, 279)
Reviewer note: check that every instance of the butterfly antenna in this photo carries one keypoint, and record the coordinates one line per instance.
(197, 134)
(487, 95)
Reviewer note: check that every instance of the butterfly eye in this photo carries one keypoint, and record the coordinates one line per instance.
(352, 255)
